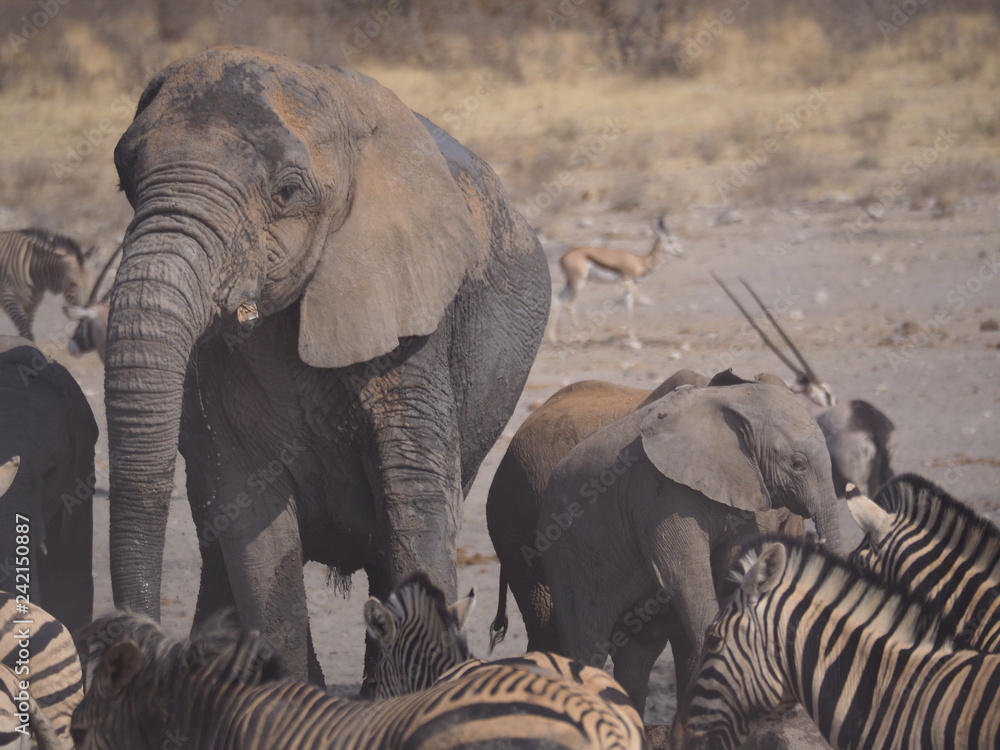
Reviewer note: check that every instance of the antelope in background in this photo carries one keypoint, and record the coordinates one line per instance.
(92, 327)
(861, 439)
(587, 263)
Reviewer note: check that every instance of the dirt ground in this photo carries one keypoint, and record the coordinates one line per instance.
(903, 314)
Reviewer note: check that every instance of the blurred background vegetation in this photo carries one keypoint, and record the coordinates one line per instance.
(615, 105)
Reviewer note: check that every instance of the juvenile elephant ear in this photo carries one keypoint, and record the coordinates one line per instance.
(697, 437)
(397, 262)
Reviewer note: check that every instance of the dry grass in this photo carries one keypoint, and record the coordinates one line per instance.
(828, 122)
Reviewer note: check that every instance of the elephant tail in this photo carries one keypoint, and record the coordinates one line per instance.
(498, 628)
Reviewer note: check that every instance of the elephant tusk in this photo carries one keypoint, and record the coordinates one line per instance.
(247, 313)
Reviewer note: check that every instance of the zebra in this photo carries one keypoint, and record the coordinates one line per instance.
(919, 537)
(422, 641)
(871, 666)
(223, 688)
(34, 261)
(39, 676)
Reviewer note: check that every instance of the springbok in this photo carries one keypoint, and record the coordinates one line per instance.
(586, 263)
(860, 439)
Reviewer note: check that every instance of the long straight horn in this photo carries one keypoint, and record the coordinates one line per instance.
(805, 365)
(760, 332)
(101, 276)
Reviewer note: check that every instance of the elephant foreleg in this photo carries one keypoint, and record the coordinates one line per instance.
(418, 491)
(263, 556)
(633, 663)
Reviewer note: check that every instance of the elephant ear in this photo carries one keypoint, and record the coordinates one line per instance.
(397, 261)
(7, 473)
(698, 437)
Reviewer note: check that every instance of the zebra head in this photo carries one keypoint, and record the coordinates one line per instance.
(723, 713)
(420, 636)
(144, 685)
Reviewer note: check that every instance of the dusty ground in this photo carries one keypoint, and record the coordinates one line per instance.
(903, 315)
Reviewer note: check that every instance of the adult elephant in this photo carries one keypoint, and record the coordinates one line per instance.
(331, 307)
(640, 522)
(47, 421)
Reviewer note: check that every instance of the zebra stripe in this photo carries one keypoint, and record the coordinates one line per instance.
(420, 637)
(919, 537)
(872, 667)
(222, 690)
(32, 262)
(37, 650)
(423, 641)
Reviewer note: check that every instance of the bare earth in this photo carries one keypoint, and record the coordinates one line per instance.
(903, 315)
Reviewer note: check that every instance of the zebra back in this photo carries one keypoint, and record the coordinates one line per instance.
(872, 666)
(220, 689)
(941, 551)
(37, 650)
(35, 261)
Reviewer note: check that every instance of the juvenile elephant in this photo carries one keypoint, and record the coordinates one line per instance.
(515, 496)
(640, 521)
(331, 307)
(46, 420)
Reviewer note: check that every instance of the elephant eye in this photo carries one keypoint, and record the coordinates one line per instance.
(286, 192)
(799, 463)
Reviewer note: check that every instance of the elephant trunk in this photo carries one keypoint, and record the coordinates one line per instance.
(157, 314)
(827, 520)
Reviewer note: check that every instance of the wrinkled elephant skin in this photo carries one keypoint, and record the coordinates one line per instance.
(651, 509)
(330, 306)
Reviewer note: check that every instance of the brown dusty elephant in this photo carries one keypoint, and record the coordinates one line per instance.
(331, 307)
(515, 496)
(640, 521)
(46, 420)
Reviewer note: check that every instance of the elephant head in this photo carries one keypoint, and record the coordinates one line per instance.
(752, 447)
(259, 183)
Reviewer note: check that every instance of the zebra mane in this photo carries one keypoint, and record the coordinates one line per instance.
(830, 577)
(219, 647)
(51, 241)
(915, 498)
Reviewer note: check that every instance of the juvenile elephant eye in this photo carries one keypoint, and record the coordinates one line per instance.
(799, 463)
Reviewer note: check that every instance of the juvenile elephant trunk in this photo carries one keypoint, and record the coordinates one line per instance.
(827, 520)
(157, 315)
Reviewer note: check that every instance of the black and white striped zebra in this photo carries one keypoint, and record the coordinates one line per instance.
(34, 261)
(873, 667)
(944, 553)
(39, 676)
(422, 641)
(222, 689)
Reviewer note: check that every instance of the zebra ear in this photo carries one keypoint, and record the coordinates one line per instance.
(379, 622)
(874, 520)
(766, 572)
(461, 609)
(120, 666)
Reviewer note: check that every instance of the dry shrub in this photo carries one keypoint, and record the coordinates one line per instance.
(21, 180)
(788, 177)
(628, 190)
(870, 128)
(942, 184)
